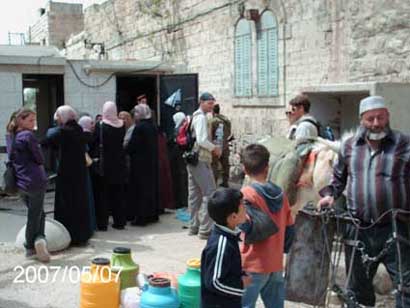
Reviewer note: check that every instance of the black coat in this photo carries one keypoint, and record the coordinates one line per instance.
(71, 199)
(113, 152)
(143, 184)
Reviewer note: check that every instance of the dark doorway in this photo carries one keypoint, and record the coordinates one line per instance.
(188, 84)
(44, 94)
(130, 87)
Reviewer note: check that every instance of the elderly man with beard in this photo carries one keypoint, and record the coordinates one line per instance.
(374, 166)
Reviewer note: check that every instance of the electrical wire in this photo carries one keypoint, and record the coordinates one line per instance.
(85, 83)
(109, 77)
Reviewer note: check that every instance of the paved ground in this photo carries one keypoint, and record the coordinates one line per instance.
(162, 247)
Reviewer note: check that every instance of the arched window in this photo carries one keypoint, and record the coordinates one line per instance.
(267, 42)
(243, 59)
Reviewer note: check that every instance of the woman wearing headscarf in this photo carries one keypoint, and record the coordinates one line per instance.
(178, 165)
(129, 125)
(143, 150)
(71, 206)
(109, 133)
(31, 179)
(87, 124)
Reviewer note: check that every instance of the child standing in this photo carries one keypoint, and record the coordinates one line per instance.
(222, 279)
(267, 233)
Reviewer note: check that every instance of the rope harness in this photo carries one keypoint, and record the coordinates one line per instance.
(328, 214)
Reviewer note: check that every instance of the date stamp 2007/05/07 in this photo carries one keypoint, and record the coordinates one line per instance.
(73, 274)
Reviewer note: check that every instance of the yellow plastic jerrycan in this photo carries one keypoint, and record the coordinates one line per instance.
(100, 287)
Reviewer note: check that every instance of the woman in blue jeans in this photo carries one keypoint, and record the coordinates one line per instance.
(31, 179)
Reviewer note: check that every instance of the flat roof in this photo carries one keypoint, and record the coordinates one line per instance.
(30, 55)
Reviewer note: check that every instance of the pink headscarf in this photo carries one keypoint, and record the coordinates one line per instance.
(110, 115)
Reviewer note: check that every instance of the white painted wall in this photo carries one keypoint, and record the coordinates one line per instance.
(82, 97)
(397, 97)
(11, 98)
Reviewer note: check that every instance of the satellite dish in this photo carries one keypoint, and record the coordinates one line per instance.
(57, 236)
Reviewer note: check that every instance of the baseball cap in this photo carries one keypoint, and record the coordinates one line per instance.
(206, 96)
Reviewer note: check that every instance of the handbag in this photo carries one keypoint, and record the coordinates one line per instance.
(9, 176)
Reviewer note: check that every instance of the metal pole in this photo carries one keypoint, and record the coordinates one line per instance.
(398, 257)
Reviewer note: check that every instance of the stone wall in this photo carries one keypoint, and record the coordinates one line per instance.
(320, 42)
(38, 32)
(55, 26)
(380, 40)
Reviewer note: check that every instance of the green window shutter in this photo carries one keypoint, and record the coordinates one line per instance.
(243, 64)
(267, 43)
(263, 64)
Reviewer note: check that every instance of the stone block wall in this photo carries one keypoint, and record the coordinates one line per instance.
(59, 21)
(38, 32)
(320, 42)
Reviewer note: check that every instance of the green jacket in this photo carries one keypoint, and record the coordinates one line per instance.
(214, 123)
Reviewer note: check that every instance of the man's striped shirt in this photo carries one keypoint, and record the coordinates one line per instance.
(376, 180)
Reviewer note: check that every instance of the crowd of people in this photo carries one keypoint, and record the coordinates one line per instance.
(101, 161)
(106, 166)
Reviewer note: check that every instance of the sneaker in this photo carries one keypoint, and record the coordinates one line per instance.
(192, 232)
(30, 254)
(41, 250)
(203, 236)
(118, 227)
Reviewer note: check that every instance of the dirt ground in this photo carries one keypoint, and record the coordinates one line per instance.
(161, 247)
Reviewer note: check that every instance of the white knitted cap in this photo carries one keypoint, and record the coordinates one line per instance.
(371, 103)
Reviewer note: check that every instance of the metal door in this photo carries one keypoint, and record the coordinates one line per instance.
(169, 84)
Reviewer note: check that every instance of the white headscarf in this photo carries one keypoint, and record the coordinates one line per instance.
(178, 117)
(86, 123)
(110, 115)
(142, 112)
(65, 113)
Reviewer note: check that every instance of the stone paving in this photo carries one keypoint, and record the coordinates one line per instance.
(161, 247)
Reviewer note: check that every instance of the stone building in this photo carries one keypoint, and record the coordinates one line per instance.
(57, 21)
(253, 55)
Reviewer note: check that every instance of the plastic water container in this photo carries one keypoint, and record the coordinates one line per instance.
(219, 135)
(189, 285)
(130, 298)
(172, 278)
(99, 287)
(121, 260)
(159, 295)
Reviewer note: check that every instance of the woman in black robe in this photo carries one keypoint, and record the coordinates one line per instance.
(71, 200)
(110, 132)
(143, 182)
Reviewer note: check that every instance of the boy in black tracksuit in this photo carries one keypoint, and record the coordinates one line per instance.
(222, 279)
